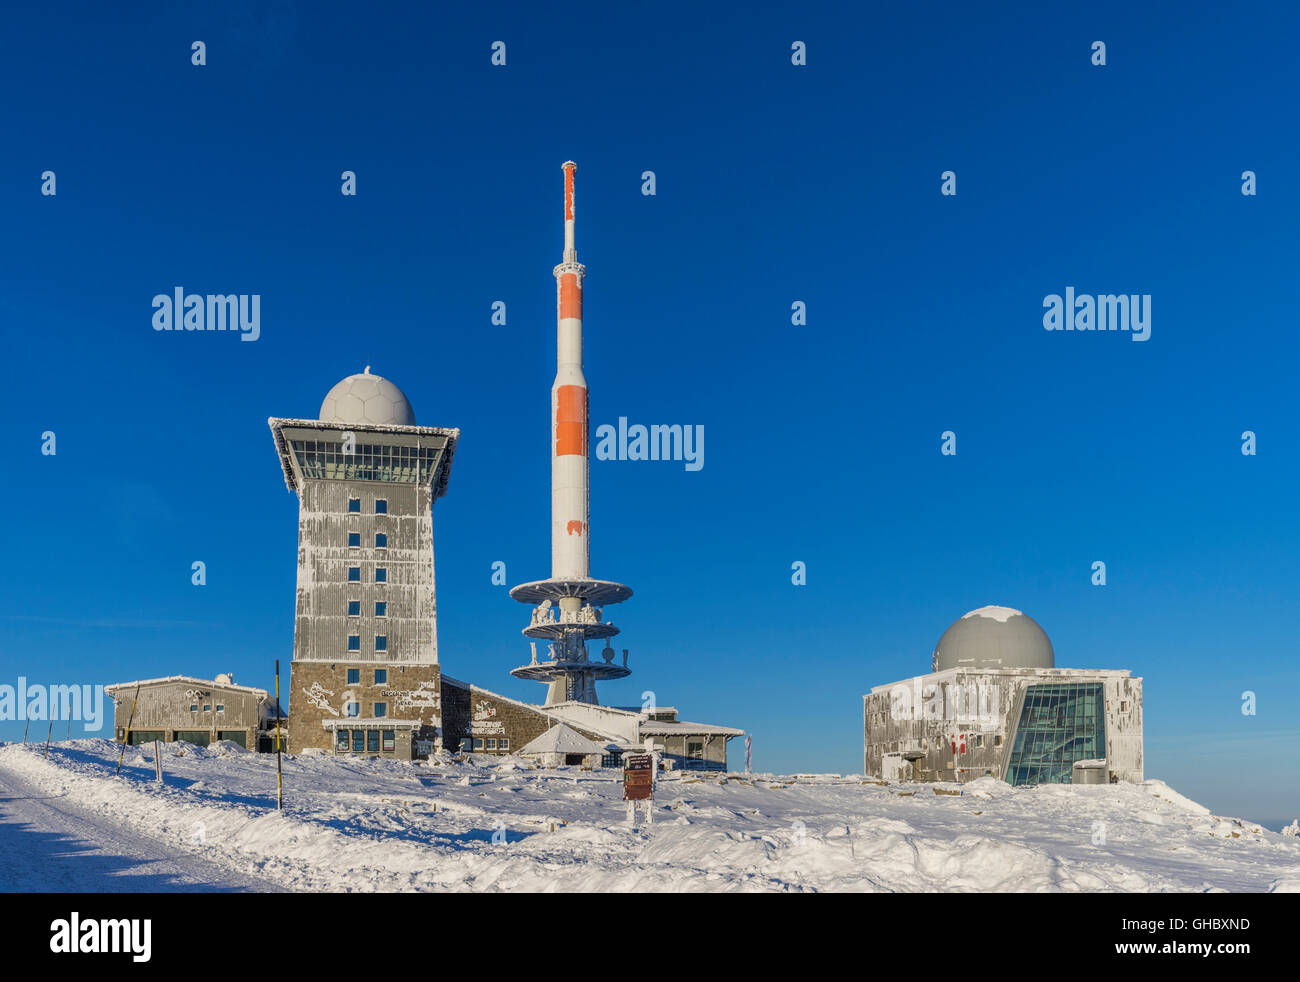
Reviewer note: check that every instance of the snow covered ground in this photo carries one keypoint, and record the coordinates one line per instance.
(495, 824)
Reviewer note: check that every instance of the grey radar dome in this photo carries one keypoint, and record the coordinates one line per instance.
(367, 398)
(994, 637)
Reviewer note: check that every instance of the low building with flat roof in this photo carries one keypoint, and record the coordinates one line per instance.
(995, 705)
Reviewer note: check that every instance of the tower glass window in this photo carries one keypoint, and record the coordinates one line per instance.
(354, 540)
(354, 574)
(381, 540)
(381, 574)
(381, 642)
(381, 608)
(354, 674)
(323, 459)
(354, 608)
(354, 506)
(354, 644)
(381, 506)
(381, 676)
(1060, 723)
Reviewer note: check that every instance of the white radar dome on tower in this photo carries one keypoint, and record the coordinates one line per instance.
(994, 637)
(365, 399)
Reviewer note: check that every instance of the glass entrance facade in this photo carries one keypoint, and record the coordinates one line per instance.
(1059, 724)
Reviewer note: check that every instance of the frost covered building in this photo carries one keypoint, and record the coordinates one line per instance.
(995, 704)
(364, 675)
(183, 707)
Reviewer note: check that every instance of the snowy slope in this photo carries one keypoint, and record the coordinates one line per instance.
(495, 824)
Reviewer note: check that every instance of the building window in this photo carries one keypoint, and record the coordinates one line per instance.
(1060, 723)
(194, 708)
(354, 506)
(979, 739)
(354, 674)
(491, 743)
(372, 741)
(353, 709)
(381, 642)
(354, 644)
(354, 540)
(389, 742)
(220, 708)
(354, 608)
(207, 709)
(341, 740)
(381, 506)
(1123, 706)
(381, 710)
(381, 574)
(354, 574)
(381, 676)
(504, 743)
(357, 737)
(381, 608)
(695, 749)
(478, 743)
(381, 540)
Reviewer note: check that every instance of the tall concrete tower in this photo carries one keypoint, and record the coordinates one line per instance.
(567, 606)
(364, 676)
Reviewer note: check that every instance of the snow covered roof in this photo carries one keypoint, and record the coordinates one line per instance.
(684, 728)
(209, 683)
(950, 674)
(559, 739)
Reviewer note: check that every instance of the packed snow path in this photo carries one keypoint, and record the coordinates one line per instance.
(499, 824)
(50, 844)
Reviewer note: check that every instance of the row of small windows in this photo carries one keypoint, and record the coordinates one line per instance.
(365, 741)
(381, 506)
(354, 540)
(354, 608)
(354, 676)
(378, 710)
(354, 574)
(492, 743)
(354, 642)
(207, 708)
(367, 462)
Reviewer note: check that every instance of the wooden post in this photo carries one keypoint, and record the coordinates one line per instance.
(157, 759)
(126, 737)
(26, 728)
(47, 737)
(279, 774)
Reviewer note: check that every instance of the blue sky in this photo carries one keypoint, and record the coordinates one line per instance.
(774, 184)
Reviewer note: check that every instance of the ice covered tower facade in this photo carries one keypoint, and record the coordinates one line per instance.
(567, 611)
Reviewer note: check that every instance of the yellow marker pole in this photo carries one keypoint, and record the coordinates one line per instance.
(126, 738)
(279, 776)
